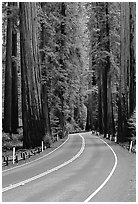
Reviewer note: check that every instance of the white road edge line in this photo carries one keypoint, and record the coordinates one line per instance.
(109, 176)
(38, 158)
(48, 171)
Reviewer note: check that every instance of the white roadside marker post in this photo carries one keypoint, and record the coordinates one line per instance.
(13, 155)
(42, 146)
(57, 137)
(110, 137)
(115, 139)
(130, 146)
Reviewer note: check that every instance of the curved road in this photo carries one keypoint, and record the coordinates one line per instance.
(84, 169)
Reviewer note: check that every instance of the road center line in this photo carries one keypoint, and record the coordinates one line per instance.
(109, 176)
(48, 171)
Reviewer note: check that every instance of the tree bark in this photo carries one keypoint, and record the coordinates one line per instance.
(132, 88)
(110, 117)
(89, 120)
(45, 108)
(62, 63)
(126, 70)
(14, 80)
(100, 109)
(8, 77)
(44, 41)
(33, 128)
(11, 90)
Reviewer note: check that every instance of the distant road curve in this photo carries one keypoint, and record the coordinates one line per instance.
(85, 168)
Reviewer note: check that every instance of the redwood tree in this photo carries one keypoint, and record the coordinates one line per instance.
(44, 43)
(33, 128)
(8, 76)
(14, 75)
(11, 93)
(127, 95)
(110, 117)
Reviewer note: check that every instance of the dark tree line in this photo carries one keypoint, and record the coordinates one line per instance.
(112, 29)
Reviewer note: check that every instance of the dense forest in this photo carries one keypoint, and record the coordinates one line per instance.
(68, 67)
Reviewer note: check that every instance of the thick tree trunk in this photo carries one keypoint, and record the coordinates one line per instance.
(132, 88)
(8, 78)
(14, 81)
(126, 69)
(89, 121)
(101, 19)
(104, 95)
(11, 93)
(110, 117)
(125, 53)
(33, 128)
(62, 63)
(45, 110)
(89, 124)
(44, 41)
(100, 110)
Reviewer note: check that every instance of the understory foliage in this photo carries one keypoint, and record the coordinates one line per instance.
(64, 65)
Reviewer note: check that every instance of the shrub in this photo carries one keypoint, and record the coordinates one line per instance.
(131, 125)
(47, 141)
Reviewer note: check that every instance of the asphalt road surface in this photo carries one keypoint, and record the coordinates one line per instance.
(85, 168)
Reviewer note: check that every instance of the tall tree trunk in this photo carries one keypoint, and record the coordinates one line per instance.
(33, 128)
(44, 41)
(104, 95)
(89, 125)
(8, 77)
(11, 93)
(14, 80)
(62, 63)
(100, 110)
(124, 104)
(101, 21)
(110, 117)
(45, 108)
(132, 88)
